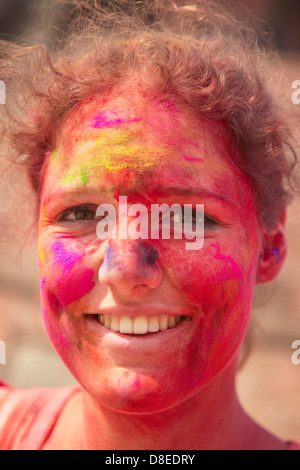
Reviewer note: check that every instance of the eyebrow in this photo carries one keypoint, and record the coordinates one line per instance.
(202, 192)
(161, 191)
(66, 194)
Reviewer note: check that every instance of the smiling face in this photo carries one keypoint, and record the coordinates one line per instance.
(154, 155)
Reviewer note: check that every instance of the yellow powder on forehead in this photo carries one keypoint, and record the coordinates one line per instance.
(113, 151)
(131, 157)
(117, 136)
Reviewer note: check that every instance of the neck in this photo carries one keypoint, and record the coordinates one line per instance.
(210, 419)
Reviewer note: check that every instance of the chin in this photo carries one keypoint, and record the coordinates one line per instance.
(137, 392)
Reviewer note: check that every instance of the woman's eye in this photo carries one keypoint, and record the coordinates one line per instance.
(195, 217)
(77, 214)
(190, 217)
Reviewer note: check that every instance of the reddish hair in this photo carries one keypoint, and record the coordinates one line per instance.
(197, 55)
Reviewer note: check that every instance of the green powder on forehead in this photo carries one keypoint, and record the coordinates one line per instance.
(53, 155)
(84, 177)
(70, 177)
(133, 158)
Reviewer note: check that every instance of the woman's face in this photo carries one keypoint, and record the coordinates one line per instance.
(153, 154)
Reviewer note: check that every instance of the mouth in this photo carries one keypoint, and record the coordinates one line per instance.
(140, 325)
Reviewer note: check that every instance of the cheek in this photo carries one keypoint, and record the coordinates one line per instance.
(207, 278)
(220, 286)
(62, 291)
(65, 276)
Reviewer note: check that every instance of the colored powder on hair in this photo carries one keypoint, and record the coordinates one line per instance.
(100, 121)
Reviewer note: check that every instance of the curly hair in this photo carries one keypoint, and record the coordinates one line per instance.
(197, 54)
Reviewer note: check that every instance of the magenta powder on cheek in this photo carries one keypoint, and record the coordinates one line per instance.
(67, 259)
(73, 287)
(224, 273)
(42, 283)
(75, 281)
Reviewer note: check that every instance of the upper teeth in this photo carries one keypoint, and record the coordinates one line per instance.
(138, 325)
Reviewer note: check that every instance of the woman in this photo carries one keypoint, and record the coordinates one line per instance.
(173, 112)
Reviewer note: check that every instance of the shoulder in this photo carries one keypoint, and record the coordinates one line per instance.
(27, 417)
(292, 446)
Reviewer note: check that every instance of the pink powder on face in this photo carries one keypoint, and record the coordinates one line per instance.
(74, 287)
(193, 159)
(75, 281)
(100, 121)
(42, 283)
(67, 259)
(235, 267)
(137, 381)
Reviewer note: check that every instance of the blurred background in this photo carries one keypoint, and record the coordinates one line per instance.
(268, 383)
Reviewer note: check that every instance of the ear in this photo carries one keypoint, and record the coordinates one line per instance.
(273, 252)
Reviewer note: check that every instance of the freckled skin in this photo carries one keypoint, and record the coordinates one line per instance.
(214, 285)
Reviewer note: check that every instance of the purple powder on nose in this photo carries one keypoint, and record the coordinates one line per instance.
(149, 254)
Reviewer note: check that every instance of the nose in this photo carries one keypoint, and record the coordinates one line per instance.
(130, 267)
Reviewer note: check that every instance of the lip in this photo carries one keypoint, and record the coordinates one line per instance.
(167, 340)
(145, 311)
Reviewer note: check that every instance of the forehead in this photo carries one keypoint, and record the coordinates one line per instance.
(151, 120)
(146, 142)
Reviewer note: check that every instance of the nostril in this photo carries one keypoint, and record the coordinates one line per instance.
(139, 288)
